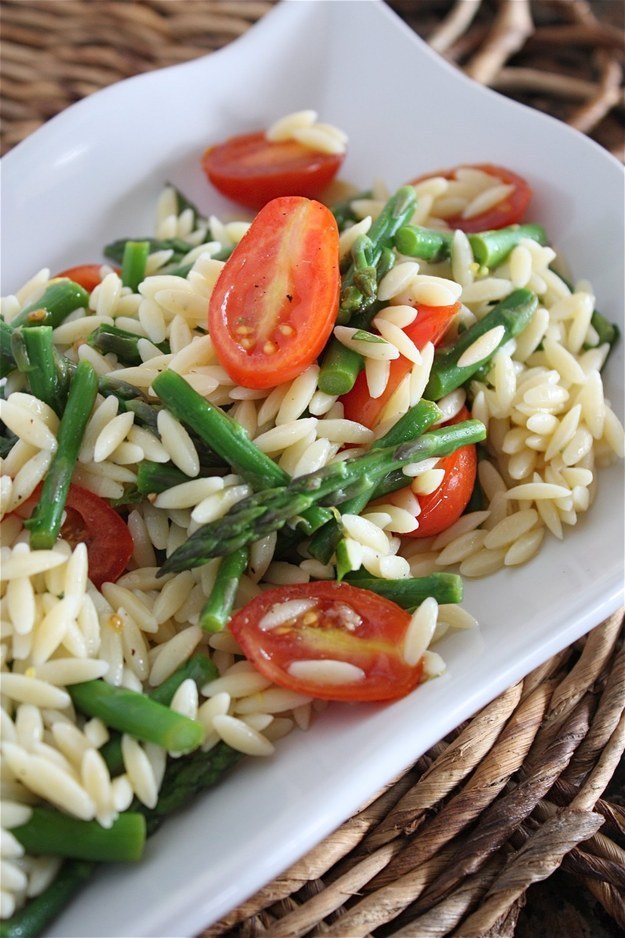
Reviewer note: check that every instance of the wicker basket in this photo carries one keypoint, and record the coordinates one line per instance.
(531, 789)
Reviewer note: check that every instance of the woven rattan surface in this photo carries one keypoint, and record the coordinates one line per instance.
(530, 791)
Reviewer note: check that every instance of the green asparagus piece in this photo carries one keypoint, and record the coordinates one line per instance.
(428, 244)
(371, 259)
(60, 298)
(344, 212)
(514, 313)
(7, 359)
(137, 715)
(45, 522)
(123, 344)
(266, 511)
(410, 592)
(39, 911)
(36, 356)
(115, 250)
(53, 833)
(490, 248)
(226, 437)
(607, 332)
(198, 667)
(7, 441)
(155, 477)
(133, 263)
(188, 776)
(395, 213)
(14, 355)
(216, 612)
(411, 425)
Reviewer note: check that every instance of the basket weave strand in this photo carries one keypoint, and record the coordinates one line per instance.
(451, 848)
(456, 845)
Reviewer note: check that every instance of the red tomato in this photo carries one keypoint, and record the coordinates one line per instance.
(429, 326)
(445, 504)
(340, 623)
(91, 520)
(251, 170)
(274, 305)
(507, 212)
(87, 276)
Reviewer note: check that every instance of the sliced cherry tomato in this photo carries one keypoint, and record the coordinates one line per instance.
(88, 276)
(429, 326)
(445, 504)
(89, 519)
(252, 170)
(508, 211)
(289, 632)
(274, 304)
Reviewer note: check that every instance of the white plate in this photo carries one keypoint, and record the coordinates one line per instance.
(92, 174)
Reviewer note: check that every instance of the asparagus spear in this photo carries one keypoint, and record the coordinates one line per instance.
(13, 353)
(36, 356)
(198, 667)
(359, 284)
(7, 359)
(344, 211)
(490, 248)
(411, 591)
(514, 313)
(136, 714)
(226, 437)
(57, 834)
(412, 424)
(371, 259)
(45, 522)
(266, 511)
(60, 298)
(124, 344)
(216, 612)
(38, 912)
(133, 263)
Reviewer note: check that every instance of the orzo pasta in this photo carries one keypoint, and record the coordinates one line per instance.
(206, 469)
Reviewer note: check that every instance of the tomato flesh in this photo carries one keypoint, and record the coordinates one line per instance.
(252, 170)
(336, 622)
(91, 520)
(429, 326)
(274, 304)
(508, 211)
(87, 276)
(442, 507)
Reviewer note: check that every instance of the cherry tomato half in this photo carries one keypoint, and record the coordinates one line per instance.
(274, 304)
(88, 276)
(442, 507)
(508, 211)
(89, 519)
(252, 170)
(429, 326)
(302, 636)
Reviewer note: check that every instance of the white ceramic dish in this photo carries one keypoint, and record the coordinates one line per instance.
(92, 174)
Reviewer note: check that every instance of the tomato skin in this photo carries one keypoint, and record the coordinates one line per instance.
(507, 212)
(91, 520)
(274, 304)
(442, 507)
(252, 170)
(374, 644)
(429, 326)
(88, 276)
